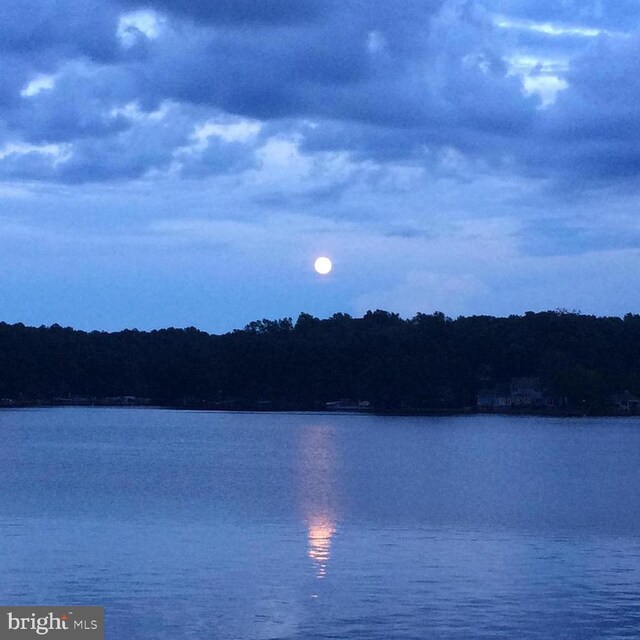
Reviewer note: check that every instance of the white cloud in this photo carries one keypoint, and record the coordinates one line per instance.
(551, 29)
(547, 87)
(132, 26)
(525, 64)
(36, 85)
(59, 152)
(541, 76)
(240, 131)
(132, 111)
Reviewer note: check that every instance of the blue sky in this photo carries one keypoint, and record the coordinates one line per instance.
(177, 163)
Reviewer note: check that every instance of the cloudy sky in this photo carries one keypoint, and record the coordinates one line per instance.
(182, 162)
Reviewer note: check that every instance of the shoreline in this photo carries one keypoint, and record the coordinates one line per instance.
(100, 403)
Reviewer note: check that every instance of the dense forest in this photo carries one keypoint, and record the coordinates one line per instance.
(426, 363)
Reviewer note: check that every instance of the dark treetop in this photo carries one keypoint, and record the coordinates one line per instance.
(426, 363)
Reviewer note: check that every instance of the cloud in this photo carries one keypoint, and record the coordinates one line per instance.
(60, 30)
(588, 139)
(525, 87)
(240, 11)
(562, 14)
(399, 82)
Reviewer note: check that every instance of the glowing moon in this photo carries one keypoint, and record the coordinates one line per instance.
(323, 265)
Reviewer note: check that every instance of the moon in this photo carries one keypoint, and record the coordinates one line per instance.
(323, 265)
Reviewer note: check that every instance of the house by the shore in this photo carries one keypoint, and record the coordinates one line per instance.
(520, 394)
(624, 403)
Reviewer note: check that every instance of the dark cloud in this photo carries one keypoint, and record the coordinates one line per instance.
(414, 82)
(63, 29)
(239, 11)
(29, 166)
(416, 69)
(543, 44)
(347, 71)
(217, 157)
(140, 143)
(591, 136)
(80, 106)
(567, 237)
(16, 70)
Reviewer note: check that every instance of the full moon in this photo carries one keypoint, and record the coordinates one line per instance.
(323, 265)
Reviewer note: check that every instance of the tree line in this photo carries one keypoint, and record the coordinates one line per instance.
(428, 362)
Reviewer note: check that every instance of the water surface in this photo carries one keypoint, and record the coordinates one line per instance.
(210, 525)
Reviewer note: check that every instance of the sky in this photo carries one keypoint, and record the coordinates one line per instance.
(184, 162)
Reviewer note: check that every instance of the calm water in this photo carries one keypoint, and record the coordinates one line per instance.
(223, 526)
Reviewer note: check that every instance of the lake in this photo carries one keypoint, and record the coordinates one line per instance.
(227, 526)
